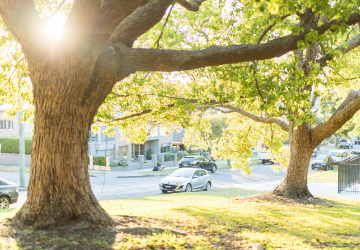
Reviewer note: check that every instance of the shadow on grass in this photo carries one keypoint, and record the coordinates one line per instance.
(304, 222)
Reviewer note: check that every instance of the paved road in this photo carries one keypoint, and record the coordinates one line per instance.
(108, 187)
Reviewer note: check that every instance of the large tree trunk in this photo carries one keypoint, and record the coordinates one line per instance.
(59, 187)
(294, 184)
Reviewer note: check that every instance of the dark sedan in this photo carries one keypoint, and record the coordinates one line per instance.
(324, 162)
(8, 193)
(198, 162)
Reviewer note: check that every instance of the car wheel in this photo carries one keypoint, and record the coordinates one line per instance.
(188, 188)
(263, 161)
(326, 168)
(198, 166)
(4, 202)
(208, 186)
(164, 191)
(213, 170)
(312, 168)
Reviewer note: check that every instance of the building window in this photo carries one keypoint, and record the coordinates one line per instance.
(6, 124)
(165, 147)
(109, 152)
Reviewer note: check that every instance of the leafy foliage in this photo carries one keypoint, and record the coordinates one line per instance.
(169, 156)
(149, 153)
(268, 88)
(11, 145)
(100, 160)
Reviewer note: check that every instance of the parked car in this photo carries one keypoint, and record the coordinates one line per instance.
(198, 162)
(324, 162)
(355, 141)
(186, 180)
(339, 155)
(354, 153)
(8, 193)
(346, 143)
(314, 153)
(264, 158)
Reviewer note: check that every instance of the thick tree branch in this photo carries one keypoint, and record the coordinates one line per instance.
(343, 114)
(352, 44)
(22, 19)
(175, 60)
(269, 120)
(192, 5)
(140, 21)
(99, 18)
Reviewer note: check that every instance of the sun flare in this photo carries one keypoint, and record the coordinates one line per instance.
(56, 26)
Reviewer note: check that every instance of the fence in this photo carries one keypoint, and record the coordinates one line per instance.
(349, 176)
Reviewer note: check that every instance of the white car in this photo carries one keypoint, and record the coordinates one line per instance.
(346, 143)
(339, 155)
(186, 180)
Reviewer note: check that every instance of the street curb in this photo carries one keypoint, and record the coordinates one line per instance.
(152, 175)
(148, 175)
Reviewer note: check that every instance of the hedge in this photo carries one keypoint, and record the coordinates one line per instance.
(100, 160)
(169, 156)
(11, 145)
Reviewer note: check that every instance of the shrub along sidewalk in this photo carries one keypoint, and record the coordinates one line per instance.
(220, 219)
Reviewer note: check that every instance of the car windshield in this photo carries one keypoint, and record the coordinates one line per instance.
(3, 182)
(321, 158)
(355, 152)
(187, 159)
(187, 173)
(336, 154)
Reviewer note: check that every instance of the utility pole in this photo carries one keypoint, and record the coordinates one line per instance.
(21, 151)
(228, 163)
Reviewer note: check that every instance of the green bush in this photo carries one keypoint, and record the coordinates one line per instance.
(122, 163)
(100, 160)
(11, 145)
(180, 155)
(169, 156)
(113, 164)
(149, 153)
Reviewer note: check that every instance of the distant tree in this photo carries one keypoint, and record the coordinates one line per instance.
(205, 131)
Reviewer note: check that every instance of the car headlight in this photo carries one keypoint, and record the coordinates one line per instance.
(181, 182)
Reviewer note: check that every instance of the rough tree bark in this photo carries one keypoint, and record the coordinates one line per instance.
(294, 184)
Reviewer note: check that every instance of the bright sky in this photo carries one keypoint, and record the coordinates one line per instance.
(56, 26)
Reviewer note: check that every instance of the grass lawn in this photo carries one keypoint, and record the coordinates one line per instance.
(327, 148)
(219, 219)
(330, 176)
(96, 173)
(13, 169)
